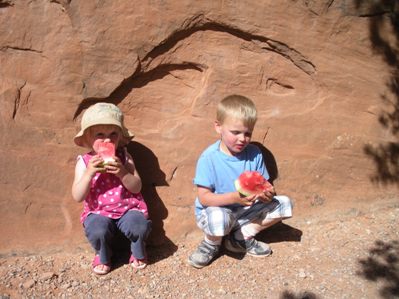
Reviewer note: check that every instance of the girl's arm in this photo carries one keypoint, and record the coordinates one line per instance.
(83, 176)
(210, 199)
(126, 172)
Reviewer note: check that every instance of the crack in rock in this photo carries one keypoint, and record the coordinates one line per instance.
(17, 100)
(6, 3)
(137, 80)
(200, 23)
(20, 49)
(297, 58)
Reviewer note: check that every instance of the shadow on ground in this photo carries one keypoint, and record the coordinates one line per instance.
(279, 232)
(382, 265)
(300, 295)
(154, 253)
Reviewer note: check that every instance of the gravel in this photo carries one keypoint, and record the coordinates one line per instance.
(347, 254)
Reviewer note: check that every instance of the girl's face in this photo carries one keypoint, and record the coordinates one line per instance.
(235, 136)
(106, 133)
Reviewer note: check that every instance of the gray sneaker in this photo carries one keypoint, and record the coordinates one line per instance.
(251, 247)
(204, 254)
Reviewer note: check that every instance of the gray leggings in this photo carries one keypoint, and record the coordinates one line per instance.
(101, 232)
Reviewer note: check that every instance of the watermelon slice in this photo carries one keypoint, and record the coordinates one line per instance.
(252, 182)
(105, 149)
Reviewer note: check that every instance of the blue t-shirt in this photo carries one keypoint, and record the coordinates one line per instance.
(218, 171)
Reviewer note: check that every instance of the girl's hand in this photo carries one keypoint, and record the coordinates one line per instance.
(94, 165)
(116, 168)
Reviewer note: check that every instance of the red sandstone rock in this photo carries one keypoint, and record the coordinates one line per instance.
(310, 69)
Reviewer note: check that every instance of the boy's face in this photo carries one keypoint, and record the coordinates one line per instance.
(235, 136)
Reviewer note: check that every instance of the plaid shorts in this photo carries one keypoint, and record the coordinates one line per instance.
(220, 221)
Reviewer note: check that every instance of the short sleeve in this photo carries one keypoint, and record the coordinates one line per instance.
(204, 176)
(260, 164)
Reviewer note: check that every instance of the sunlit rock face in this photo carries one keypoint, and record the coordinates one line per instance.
(321, 73)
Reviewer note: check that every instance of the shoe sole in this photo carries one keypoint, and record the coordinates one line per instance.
(260, 255)
(197, 266)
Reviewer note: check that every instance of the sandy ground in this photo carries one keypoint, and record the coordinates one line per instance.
(353, 253)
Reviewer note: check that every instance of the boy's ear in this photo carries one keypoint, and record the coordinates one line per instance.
(218, 127)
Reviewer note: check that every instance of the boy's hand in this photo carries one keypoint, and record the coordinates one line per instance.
(267, 196)
(245, 200)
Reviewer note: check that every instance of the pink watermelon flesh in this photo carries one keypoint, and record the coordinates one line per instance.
(105, 149)
(252, 182)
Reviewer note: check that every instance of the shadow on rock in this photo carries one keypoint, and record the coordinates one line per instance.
(159, 246)
(382, 265)
(385, 155)
(152, 176)
(270, 161)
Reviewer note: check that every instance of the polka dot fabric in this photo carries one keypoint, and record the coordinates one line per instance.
(108, 197)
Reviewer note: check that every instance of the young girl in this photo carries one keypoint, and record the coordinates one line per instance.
(110, 191)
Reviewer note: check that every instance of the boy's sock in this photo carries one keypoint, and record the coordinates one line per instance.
(214, 242)
(248, 231)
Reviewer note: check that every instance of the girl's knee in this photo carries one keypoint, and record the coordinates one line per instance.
(135, 224)
(97, 227)
(143, 228)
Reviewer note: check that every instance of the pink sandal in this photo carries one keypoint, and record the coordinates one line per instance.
(136, 263)
(105, 269)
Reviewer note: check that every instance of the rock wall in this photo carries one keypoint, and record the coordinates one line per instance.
(322, 73)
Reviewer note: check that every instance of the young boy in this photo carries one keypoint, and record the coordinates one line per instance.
(220, 210)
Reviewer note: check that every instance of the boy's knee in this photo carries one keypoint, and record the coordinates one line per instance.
(285, 206)
(285, 201)
(217, 221)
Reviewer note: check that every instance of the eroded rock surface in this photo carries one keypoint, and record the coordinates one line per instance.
(320, 72)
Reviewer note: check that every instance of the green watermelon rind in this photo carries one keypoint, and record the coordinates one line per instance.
(107, 160)
(103, 164)
(240, 189)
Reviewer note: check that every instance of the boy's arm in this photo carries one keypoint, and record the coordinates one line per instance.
(210, 199)
(268, 195)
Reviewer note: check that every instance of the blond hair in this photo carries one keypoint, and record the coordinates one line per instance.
(237, 107)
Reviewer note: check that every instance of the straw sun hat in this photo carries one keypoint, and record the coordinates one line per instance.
(102, 114)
